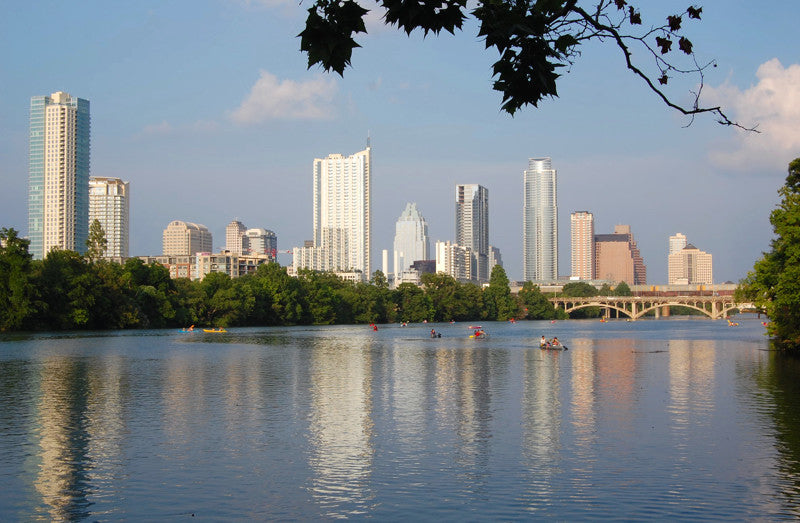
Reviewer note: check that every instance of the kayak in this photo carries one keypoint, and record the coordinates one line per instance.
(553, 347)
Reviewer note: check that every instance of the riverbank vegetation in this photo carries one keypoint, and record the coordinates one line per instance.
(68, 291)
(774, 283)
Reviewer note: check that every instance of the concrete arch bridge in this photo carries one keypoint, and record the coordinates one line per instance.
(634, 307)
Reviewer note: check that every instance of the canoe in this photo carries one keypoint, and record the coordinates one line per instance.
(214, 330)
(551, 347)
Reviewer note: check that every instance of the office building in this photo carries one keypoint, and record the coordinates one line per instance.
(109, 203)
(411, 241)
(235, 238)
(472, 227)
(540, 222)
(617, 258)
(261, 241)
(690, 266)
(186, 239)
(58, 173)
(676, 243)
(342, 216)
(582, 242)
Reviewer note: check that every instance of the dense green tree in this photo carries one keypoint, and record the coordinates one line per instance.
(498, 304)
(536, 305)
(96, 243)
(15, 263)
(411, 303)
(451, 300)
(622, 289)
(774, 282)
(605, 290)
(289, 304)
(535, 39)
(578, 289)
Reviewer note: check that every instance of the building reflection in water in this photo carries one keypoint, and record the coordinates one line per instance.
(62, 463)
(584, 415)
(541, 424)
(691, 387)
(341, 428)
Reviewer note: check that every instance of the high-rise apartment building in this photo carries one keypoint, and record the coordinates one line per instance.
(690, 266)
(109, 203)
(58, 173)
(617, 257)
(472, 226)
(342, 215)
(186, 238)
(411, 241)
(540, 221)
(455, 260)
(235, 238)
(676, 243)
(582, 236)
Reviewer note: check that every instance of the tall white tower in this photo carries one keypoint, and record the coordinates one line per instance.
(411, 241)
(109, 203)
(342, 211)
(58, 173)
(472, 226)
(540, 221)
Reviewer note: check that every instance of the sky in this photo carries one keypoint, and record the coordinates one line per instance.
(208, 109)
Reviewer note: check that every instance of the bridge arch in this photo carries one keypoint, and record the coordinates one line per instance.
(634, 307)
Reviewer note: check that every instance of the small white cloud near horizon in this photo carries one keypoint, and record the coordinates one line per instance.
(162, 127)
(773, 104)
(274, 99)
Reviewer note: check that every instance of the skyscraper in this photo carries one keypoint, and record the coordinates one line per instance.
(109, 203)
(676, 243)
(58, 173)
(342, 215)
(540, 221)
(582, 236)
(472, 226)
(235, 238)
(690, 265)
(617, 258)
(261, 241)
(411, 241)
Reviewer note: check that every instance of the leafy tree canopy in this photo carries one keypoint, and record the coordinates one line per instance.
(535, 39)
(774, 283)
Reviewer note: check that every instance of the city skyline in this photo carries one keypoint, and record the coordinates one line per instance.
(234, 132)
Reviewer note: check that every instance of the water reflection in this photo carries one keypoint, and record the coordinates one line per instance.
(62, 463)
(341, 430)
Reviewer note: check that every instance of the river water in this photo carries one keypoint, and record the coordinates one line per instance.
(671, 418)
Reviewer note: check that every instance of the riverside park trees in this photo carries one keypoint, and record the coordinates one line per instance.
(774, 282)
(535, 39)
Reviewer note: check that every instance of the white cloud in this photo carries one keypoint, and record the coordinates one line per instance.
(160, 128)
(271, 99)
(774, 105)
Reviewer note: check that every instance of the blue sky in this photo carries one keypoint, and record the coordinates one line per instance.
(208, 109)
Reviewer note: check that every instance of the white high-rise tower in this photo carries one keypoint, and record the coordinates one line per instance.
(58, 173)
(411, 241)
(540, 221)
(109, 203)
(342, 215)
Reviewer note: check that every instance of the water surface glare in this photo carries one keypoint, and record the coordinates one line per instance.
(673, 418)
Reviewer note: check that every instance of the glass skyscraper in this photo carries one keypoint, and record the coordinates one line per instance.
(540, 222)
(58, 173)
(410, 239)
(472, 226)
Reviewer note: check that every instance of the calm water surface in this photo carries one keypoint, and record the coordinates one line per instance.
(671, 418)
